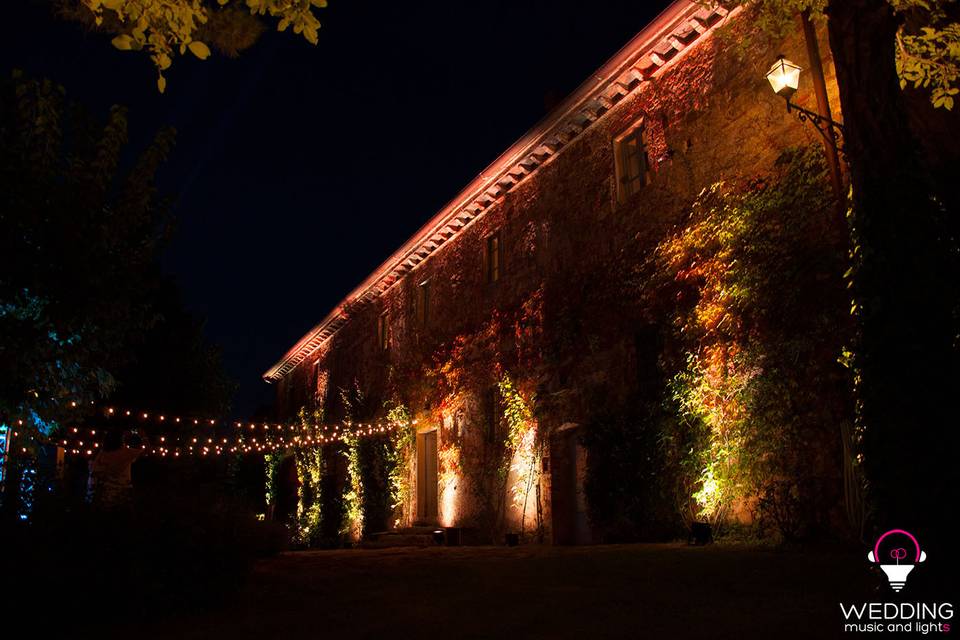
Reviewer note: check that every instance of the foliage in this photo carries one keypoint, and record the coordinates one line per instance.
(516, 412)
(167, 28)
(373, 454)
(375, 482)
(353, 400)
(903, 224)
(927, 56)
(310, 469)
(84, 311)
(629, 483)
(752, 281)
(79, 246)
(400, 453)
(353, 494)
(480, 465)
(450, 461)
(175, 368)
(523, 451)
(931, 59)
(271, 462)
(309, 419)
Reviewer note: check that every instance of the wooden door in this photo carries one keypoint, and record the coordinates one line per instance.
(568, 502)
(427, 477)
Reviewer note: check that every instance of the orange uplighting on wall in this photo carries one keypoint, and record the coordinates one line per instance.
(449, 503)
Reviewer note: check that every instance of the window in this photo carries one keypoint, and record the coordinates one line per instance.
(631, 164)
(422, 307)
(383, 331)
(493, 257)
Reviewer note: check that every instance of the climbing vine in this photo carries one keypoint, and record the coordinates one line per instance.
(310, 469)
(450, 463)
(353, 400)
(271, 462)
(752, 283)
(399, 455)
(523, 452)
(353, 494)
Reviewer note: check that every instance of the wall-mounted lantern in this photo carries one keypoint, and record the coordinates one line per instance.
(784, 78)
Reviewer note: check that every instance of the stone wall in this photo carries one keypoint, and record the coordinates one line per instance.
(555, 322)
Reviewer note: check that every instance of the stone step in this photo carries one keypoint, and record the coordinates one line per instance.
(385, 541)
(415, 536)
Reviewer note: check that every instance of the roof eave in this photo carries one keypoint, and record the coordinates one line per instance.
(620, 69)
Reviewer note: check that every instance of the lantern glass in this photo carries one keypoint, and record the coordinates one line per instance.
(784, 77)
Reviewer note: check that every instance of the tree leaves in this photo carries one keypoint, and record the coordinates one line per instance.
(81, 299)
(163, 27)
(123, 42)
(931, 60)
(199, 49)
(79, 242)
(926, 59)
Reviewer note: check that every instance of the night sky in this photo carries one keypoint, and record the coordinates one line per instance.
(298, 169)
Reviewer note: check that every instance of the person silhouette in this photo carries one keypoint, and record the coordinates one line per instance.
(110, 470)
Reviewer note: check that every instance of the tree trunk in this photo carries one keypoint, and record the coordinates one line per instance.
(903, 286)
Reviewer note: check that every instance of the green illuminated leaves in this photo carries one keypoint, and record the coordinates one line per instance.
(756, 303)
(931, 60)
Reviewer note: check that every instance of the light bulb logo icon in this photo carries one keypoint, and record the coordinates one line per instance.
(897, 562)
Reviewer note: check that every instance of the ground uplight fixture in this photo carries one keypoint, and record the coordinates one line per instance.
(784, 77)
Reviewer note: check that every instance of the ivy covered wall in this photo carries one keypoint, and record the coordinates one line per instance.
(642, 321)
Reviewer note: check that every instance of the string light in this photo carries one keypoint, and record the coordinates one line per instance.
(276, 436)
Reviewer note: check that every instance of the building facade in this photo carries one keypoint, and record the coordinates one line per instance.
(500, 327)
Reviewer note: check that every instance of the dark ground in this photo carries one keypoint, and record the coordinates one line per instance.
(624, 591)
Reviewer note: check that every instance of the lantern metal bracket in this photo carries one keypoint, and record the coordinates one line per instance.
(831, 130)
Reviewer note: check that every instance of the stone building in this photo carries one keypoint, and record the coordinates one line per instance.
(505, 295)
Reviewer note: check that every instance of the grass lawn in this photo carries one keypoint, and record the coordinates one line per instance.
(621, 591)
